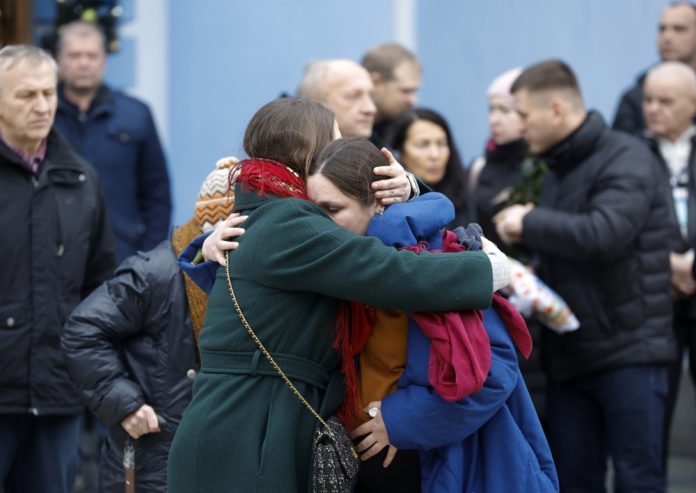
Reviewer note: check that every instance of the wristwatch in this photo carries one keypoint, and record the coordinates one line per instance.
(415, 189)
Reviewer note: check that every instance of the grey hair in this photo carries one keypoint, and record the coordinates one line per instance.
(313, 83)
(81, 29)
(13, 55)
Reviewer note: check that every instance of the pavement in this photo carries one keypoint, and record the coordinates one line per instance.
(681, 469)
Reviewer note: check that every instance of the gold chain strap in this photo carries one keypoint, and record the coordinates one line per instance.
(265, 351)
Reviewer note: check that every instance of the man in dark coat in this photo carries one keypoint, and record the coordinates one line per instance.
(396, 79)
(601, 234)
(56, 247)
(676, 41)
(116, 134)
(669, 106)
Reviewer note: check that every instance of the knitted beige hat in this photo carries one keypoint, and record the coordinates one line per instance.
(215, 201)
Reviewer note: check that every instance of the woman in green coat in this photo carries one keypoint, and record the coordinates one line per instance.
(245, 430)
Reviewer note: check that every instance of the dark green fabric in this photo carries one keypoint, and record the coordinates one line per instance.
(249, 433)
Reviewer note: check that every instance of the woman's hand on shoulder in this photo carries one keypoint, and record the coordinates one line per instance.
(396, 187)
(220, 240)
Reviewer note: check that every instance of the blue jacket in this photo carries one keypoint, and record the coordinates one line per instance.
(490, 441)
(117, 136)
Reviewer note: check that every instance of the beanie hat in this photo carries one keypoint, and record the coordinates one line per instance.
(215, 200)
(501, 85)
(214, 203)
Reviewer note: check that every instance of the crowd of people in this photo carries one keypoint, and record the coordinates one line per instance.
(368, 259)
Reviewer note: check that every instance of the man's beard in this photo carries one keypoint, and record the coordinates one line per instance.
(81, 90)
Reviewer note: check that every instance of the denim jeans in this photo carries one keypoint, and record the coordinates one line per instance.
(616, 413)
(39, 454)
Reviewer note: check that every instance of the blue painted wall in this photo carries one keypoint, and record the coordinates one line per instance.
(229, 57)
(465, 45)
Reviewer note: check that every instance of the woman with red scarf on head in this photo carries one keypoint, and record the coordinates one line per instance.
(244, 429)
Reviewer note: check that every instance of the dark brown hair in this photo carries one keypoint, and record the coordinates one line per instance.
(383, 59)
(348, 163)
(291, 131)
(80, 29)
(545, 76)
(453, 183)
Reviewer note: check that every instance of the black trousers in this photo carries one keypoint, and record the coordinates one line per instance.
(685, 336)
(402, 476)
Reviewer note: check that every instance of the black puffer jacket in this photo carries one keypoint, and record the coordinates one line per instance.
(131, 343)
(602, 231)
(629, 112)
(56, 247)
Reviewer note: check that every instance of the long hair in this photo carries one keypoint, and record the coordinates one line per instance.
(453, 183)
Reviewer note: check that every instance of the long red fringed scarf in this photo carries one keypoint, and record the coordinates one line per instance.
(460, 352)
(265, 176)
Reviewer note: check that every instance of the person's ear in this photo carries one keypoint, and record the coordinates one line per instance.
(376, 78)
(559, 109)
(692, 101)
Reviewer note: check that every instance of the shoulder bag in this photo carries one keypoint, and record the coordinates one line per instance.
(334, 461)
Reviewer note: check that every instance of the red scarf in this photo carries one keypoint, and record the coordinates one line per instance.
(353, 328)
(460, 351)
(354, 322)
(265, 176)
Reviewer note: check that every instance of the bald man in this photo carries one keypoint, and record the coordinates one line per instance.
(344, 87)
(669, 108)
(676, 41)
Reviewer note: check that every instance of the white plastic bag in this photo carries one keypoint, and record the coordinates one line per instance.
(531, 295)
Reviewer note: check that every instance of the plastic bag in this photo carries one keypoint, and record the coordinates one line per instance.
(530, 295)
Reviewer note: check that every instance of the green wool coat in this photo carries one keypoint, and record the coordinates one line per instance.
(244, 430)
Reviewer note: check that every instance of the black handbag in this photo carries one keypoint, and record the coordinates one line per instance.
(334, 460)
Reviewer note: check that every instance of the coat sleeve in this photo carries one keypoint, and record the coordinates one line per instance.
(92, 335)
(203, 274)
(416, 417)
(154, 196)
(616, 210)
(102, 250)
(301, 249)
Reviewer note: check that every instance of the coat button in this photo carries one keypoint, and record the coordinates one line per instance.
(10, 322)
(191, 374)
